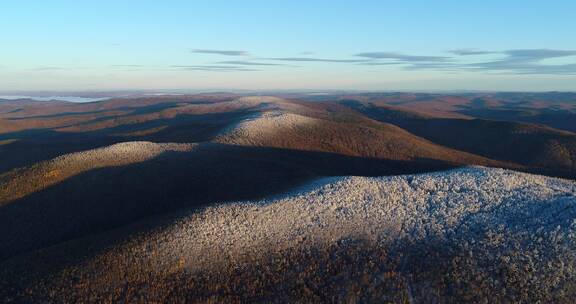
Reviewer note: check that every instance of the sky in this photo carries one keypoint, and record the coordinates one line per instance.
(288, 45)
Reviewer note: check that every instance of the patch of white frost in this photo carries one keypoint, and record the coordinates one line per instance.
(259, 128)
(445, 206)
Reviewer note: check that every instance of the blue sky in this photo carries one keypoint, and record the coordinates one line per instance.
(365, 45)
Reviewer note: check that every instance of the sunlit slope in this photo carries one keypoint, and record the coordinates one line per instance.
(21, 182)
(465, 235)
(356, 138)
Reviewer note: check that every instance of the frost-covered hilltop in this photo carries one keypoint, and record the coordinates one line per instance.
(469, 234)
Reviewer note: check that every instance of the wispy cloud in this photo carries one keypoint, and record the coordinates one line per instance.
(517, 61)
(376, 63)
(527, 61)
(213, 68)
(402, 57)
(309, 59)
(538, 54)
(220, 52)
(467, 52)
(520, 61)
(250, 63)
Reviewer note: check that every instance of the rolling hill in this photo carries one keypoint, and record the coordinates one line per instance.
(466, 235)
(349, 190)
(539, 148)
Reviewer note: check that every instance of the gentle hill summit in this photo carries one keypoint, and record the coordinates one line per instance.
(450, 236)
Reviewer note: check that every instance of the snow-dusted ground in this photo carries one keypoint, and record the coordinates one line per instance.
(489, 233)
(443, 206)
(258, 128)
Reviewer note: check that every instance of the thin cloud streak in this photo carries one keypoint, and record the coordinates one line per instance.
(379, 63)
(470, 52)
(309, 59)
(220, 52)
(213, 68)
(402, 57)
(528, 61)
(519, 61)
(516, 61)
(538, 54)
(250, 63)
